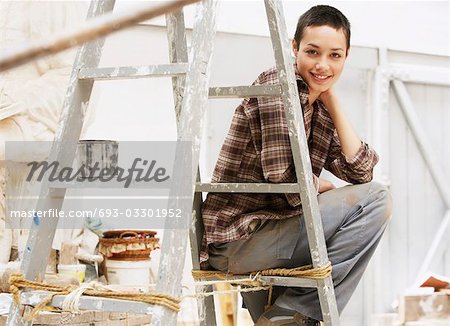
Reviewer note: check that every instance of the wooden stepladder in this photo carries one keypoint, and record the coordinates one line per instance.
(191, 92)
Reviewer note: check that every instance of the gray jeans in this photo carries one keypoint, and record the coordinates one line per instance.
(353, 218)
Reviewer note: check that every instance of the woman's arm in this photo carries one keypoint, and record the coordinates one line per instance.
(350, 141)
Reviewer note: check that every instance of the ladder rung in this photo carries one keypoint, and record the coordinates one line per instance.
(200, 187)
(109, 185)
(132, 72)
(289, 281)
(245, 91)
(90, 303)
(248, 187)
(275, 280)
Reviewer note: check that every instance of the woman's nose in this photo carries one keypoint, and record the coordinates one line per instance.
(322, 65)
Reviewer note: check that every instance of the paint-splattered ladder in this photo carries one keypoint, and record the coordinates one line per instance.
(191, 92)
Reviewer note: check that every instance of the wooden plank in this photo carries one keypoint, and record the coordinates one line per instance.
(91, 30)
(47, 318)
(88, 318)
(52, 262)
(228, 304)
(417, 307)
(67, 254)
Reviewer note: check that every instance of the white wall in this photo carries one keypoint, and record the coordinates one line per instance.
(417, 26)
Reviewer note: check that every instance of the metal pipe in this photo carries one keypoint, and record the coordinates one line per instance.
(94, 28)
(421, 140)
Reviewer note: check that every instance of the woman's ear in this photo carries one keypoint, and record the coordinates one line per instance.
(347, 53)
(294, 47)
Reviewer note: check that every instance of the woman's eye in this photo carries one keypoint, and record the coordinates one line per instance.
(311, 51)
(336, 55)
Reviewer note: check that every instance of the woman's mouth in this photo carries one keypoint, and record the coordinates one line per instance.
(321, 78)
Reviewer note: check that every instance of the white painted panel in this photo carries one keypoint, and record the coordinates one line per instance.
(421, 26)
(445, 100)
(424, 195)
(403, 57)
(418, 207)
(398, 260)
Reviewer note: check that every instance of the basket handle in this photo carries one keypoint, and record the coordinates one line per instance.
(134, 234)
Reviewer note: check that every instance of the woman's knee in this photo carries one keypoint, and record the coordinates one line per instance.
(383, 200)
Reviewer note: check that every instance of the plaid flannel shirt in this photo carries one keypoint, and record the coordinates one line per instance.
(257, 149)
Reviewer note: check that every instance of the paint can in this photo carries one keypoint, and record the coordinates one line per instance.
(136, 274)
(77, 271)
(97, 157)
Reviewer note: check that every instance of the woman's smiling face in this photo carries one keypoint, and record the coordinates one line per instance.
(321, 56)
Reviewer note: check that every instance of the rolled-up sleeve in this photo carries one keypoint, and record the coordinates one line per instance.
(357, 169)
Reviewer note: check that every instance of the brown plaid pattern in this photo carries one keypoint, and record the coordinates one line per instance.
(257, 149)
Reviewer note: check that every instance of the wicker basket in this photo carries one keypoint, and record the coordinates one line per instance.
(128, 244)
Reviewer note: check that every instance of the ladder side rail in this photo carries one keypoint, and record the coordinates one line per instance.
(205, 305)
(308, 194)
(190, 125)
(178, 54)
(64, 147)
(76, 100)
(197, 229)
(176, 33)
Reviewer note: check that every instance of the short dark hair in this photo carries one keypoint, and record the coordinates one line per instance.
(322, 15)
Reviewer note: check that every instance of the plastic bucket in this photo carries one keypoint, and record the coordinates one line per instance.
(128, 272)
(78, 271)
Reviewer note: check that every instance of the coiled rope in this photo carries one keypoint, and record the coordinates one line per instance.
(18, 282)
(73, 293)
(302, 272)
(307, 271)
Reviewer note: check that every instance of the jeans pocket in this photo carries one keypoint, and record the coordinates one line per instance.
(288, 236)
(218, 256)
